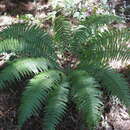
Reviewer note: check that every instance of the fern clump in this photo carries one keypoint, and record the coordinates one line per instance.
(71, 65)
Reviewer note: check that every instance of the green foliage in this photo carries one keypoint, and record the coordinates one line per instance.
(107, 45)
(62, 33)
(36, 92)
(115, 84)
(81, 54)
(56, 106)
(100, 20)
(22, 68)
(27, 39)
(86, 95)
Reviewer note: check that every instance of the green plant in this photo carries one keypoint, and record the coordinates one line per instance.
(70, 64)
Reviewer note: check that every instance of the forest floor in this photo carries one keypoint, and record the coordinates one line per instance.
(115, 117)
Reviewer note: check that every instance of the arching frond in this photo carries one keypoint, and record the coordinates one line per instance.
(63, 34)
(115, 84)
(20, 68)
(86, 96)
(28, 39)
(56, 106)
(105, 46)
(112, 81)
(80, 36)
(36, 93)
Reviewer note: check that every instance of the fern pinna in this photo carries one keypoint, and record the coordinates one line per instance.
(71, 64)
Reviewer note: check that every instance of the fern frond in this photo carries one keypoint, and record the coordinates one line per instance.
(36, 93)
(80, 35)
(63, 33)
(28, 39)
(100, 20)
(111, 80)
(107, 45)
(115, 84)
(22, 68)
(86, 96)
(56, 106)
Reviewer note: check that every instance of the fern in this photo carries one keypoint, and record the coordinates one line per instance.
(63, 34)
(56, 106)
(115, 84)
(78, 73)
(100, 20)
(86, 95)
(29, 39)
(81, 34)
(109, 45)
(20, 68)
(36, 92)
